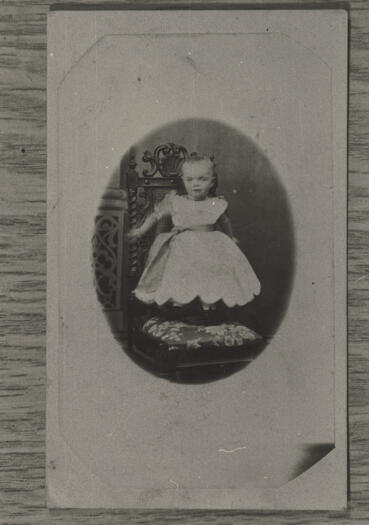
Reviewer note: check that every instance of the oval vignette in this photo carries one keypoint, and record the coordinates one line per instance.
(261, 218)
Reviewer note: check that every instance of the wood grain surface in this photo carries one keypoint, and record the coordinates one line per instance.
(23, 280)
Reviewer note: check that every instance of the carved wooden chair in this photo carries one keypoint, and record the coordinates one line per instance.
(169, 346)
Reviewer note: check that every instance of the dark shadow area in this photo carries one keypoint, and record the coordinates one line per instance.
(311, 454)
(260, 214)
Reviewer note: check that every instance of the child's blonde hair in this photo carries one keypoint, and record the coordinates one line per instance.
(195, 158)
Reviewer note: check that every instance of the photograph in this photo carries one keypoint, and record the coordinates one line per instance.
(196, 294)
(175, 282)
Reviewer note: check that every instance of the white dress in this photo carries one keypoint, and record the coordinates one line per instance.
(195, 260)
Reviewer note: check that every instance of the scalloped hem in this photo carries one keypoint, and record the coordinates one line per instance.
(149, 299)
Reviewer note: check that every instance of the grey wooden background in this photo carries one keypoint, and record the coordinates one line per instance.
(23, 280)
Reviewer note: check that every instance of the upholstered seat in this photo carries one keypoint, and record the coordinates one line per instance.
(180, 335)
(173, 346)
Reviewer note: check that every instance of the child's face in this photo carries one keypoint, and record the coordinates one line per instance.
(197, 179)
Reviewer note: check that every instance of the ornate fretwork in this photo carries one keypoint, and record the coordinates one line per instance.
(107, 249)
(166, 159)
(106, 258)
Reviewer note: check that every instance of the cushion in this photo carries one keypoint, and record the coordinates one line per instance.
(178, 335)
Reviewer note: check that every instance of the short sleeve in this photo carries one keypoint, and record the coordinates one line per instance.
(165, 206)
(221, 206)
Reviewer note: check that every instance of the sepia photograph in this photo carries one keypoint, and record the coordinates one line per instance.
(197, 259)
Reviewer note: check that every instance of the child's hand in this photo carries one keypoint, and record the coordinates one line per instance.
(133, 235)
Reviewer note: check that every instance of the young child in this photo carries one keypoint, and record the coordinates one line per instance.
(199, 258)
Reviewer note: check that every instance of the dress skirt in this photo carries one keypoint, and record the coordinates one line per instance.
(208, 265)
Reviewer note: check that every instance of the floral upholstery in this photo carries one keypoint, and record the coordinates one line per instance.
(181, 335)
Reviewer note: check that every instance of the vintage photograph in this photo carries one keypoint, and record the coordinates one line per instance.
(196, 278)
(196, 337)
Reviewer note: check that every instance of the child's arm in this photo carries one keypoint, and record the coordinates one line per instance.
(136, 233)
(162, 209)
(226, 226)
